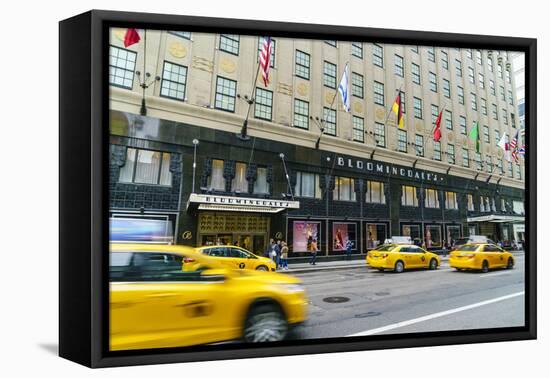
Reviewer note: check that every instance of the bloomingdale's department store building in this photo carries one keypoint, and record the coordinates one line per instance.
(380, 180)
(234, 200)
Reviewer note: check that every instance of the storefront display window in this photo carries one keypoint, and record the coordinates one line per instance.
(306, 236)
(453, 233)
(433, 236)
(342, 233)
(412, 230)
(260, 185)
(376, 234)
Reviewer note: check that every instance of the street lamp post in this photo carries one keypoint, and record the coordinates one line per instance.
(195, 144)
(282, 156)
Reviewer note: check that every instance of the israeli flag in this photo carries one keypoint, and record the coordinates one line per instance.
(343, 88)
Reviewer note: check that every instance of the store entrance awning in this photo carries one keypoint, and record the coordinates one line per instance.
(494, 218)
(242, 204)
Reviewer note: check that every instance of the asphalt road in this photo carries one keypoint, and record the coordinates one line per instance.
(413, 301)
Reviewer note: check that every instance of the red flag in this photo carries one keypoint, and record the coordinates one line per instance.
(437, 130)
(131, 37)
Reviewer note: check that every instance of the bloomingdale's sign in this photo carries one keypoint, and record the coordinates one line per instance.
(386, 169)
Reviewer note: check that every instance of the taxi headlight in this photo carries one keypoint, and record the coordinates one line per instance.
(292, 288)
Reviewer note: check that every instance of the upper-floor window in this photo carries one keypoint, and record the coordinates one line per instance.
(378, 93)
(408, 196)
(450, 201)
(460, 93)
(357, 49)
(358, 129)
(433, 81)
(446, 88)
(330, 42)
(458, 68)
(431, 54)
(329, 115)
(122, 64)
(415, 72)
(483, 106)
(260, 184)
(146, 167)
(329, 75)
(492, 87)
(462, 121)
(417, 107)
(444, 60)
(474, 101)
(401, 140)
(378, 55)
(481, 80)
(216, 181)
(375, 192)
(240, 183)
(450, 153)
(263, 104)
(479, 166)
(471, 75)
(344, 189)
(431, 199)
(226, 90)
(486, 137)
(465, 157)
(419, 144)
(470, 199)
(302, 64)
(230, 43)
(261, 42)
(399, 71)
(182, 34)
(301, 114)
(380, 134)
(307, 185)
(479, 57)
(174, 78)
(448, 119)
(435, 113)
(437, 151)
(357, 85)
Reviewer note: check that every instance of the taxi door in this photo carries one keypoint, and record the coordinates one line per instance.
(419, 257)
(240, 259)
(408, 256)
(222, 255)
(491, 254)
(167, 314)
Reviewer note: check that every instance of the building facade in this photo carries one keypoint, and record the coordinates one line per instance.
(367, 180)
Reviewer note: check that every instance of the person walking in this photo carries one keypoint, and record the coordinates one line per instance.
(313, 250)
(278, 262)
(349, 246)
(284, 255)
(270, 247)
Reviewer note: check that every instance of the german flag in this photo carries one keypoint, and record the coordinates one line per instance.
(398, 110)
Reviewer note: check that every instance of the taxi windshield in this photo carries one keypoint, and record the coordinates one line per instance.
(385, 248)
(469, 247)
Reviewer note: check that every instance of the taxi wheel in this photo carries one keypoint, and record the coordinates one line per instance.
(399, 267)
(263, 268)
(433, 264)
(265, 323)
(510, 264)
(484, 266)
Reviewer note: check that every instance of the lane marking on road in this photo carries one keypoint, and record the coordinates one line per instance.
(494, 274)
(435, 315)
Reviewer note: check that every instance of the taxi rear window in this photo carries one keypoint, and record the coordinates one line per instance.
(469, 247)
(385, 248)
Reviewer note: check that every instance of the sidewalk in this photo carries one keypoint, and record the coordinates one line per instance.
(345, 264)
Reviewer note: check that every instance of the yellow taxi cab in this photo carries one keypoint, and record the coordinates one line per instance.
(238, 258)
(156, 304)
(399, 257)
(480, 256)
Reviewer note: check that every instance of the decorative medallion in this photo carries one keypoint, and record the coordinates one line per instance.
(302, 89)
(380, 114)
(419, 126)
(499, 153)
(177, 50)
(329, 97)
(450, 137)
(488, 149)
(227, 65)
(119, 34)
(358, 107)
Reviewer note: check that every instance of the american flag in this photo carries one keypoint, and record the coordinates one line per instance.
(265, 59)
(514, 145)
(522, 150)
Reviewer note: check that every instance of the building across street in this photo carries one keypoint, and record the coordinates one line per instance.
(308, 171)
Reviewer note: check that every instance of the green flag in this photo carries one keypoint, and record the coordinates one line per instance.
(474, 135)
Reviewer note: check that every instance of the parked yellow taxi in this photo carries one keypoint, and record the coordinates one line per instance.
(399, 257)
(156, 304)
(480, 256)
(238, 258)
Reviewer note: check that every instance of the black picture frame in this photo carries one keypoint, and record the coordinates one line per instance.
(83, 196)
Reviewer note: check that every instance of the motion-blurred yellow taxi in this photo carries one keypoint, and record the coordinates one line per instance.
(238, 258)
(156, 304)
(480, 256)
(399, 257)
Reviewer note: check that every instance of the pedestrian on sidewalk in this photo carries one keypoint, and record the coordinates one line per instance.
(349, 246)
(284, 255)
(278, 260)
(313, 250)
